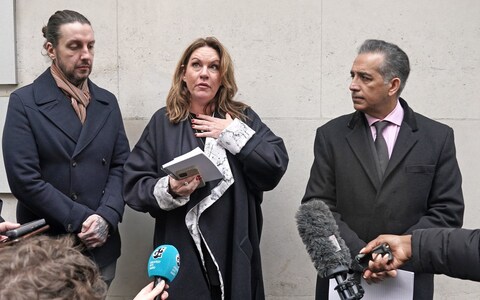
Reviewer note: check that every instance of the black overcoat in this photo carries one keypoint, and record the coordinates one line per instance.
(61, 171)
(232, 226)
(421, 187)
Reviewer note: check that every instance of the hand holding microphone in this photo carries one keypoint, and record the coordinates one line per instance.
(163, 264)
(399, 252)
(6, 226)
(150, 292)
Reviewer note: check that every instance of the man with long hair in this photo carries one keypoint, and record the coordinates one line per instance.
(64, 145)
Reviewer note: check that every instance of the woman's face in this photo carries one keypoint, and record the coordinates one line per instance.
(202, 75)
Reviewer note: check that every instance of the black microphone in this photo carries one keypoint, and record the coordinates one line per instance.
(328, 251)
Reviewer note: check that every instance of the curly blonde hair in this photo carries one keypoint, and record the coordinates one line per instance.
(178, 99)
(44, 267)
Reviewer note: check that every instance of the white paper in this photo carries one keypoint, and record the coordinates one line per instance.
(193, 160)
(398, 288)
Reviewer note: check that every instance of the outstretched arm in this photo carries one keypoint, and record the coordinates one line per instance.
(401, 247)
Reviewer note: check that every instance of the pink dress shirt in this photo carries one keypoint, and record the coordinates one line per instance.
(390, 133)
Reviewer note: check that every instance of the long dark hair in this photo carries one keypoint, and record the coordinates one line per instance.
(51, 32)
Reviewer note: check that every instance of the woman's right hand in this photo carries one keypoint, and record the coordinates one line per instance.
(183, 187)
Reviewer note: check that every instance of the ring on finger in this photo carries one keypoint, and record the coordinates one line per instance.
(185, 183)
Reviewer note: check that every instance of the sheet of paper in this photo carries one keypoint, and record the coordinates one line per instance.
(191, 163)
(398, 288)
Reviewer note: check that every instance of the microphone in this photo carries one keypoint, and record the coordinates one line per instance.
(328, 251)
(163, 263)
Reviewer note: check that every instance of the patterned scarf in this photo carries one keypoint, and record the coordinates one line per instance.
(80, 96)
(219, 157)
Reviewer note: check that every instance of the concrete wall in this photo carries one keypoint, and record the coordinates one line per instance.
(292, 63)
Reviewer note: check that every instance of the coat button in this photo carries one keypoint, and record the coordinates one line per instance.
(73, 196)
(69, 228)
(104, 161)
(74, 164)
(103, 192)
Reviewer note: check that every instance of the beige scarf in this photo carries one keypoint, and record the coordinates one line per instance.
(80, 96)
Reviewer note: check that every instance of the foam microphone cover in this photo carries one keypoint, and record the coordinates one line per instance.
(319, 232)
(164, 262)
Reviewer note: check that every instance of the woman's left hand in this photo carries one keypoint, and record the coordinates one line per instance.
(208, 126)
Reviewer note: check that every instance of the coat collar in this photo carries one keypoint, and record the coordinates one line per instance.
(46, 90)
(408, 117)
(359, 139)
(360, 144)
(53, 103)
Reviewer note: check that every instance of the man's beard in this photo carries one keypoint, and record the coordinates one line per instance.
(70, 76)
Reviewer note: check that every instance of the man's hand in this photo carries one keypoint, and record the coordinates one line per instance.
(94, 231)
(401, 247)
(375, 277)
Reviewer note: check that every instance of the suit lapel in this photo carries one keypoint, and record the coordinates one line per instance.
(55, 106)
(358, 139)
(405, 141)
(97, 113)
(406, 138)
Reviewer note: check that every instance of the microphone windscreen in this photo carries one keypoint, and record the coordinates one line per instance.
(319, 232)
(164, 262)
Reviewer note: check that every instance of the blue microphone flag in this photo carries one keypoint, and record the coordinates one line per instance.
(164, 262)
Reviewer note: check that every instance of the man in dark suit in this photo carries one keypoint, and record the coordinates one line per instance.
(64, 145)
(411, 181)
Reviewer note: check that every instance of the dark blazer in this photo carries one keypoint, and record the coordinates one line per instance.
(421, 187)
(61, 171)
(451, 251)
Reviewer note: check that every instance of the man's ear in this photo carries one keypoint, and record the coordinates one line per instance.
(50, 50)
(394, 86)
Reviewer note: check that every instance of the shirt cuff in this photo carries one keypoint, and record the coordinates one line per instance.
(235, 136)
(163, 197)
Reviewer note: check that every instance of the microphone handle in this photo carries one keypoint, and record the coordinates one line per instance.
(156, 281)
(347, 288)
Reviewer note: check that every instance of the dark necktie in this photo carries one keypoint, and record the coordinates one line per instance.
(381, 145)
